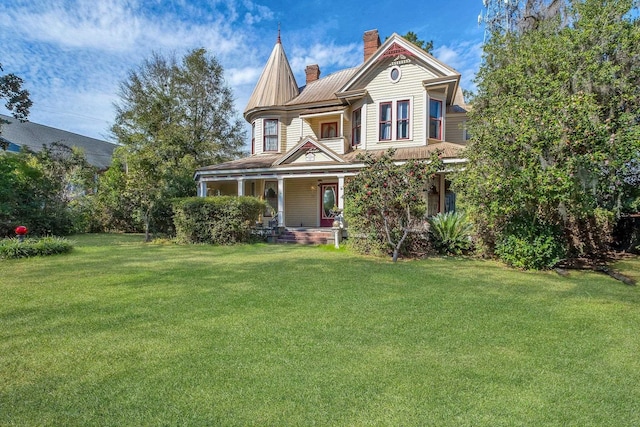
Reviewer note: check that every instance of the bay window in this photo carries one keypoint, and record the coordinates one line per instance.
(253, 138)
(395, 120)
(402, 126)
(270, 135)
(356, 130)
(385, 121)
(435, 119)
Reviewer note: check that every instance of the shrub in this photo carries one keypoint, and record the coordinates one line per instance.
(450, 233)
(528, 244)
(216, 220)
(14, 248)
(385, 204)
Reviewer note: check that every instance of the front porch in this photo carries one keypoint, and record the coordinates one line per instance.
(293, 201)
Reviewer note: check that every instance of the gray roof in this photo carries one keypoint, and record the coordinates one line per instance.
(33, 136)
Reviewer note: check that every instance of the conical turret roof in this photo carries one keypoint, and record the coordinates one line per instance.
(276, 85)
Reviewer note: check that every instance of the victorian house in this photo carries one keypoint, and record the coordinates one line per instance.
(305, 140)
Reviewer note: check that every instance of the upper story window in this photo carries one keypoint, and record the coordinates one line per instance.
(435, 119)
(329, 130)
(356, 130)
(395, 120)
(385, 121)
(395, 74)
(270, 135)
(253, 137)
(402, 121)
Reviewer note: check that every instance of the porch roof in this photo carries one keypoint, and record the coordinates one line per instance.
(267, 161)
(449, 150)
(253, 162)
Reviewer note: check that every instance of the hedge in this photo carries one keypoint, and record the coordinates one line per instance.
(218, 220)
(15, 248)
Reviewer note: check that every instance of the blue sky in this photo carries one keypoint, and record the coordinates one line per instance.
(73, 54)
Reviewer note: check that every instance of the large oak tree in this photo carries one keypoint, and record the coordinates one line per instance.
(172, 118)
(556, 127)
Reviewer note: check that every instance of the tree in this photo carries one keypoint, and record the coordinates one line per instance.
(43, 190)
(385, 202)
(17, 99)
(413, 38)
(172, 118)
(556, 129)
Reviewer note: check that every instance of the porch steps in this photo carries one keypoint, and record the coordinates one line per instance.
(308, 236)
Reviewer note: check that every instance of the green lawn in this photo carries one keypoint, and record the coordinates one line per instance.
(119, 332)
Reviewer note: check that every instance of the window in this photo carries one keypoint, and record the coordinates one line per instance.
(395, 74)
(356, 130)
(385, 121)
(271, 135)
(329, 130)
(395, 120)
(253, 137)
(402, 125)
(271, 196)
(435, 119)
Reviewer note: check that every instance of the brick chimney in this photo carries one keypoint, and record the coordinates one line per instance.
(371, 43)
(312, 72)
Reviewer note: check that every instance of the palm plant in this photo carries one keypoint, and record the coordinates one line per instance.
(450, 232)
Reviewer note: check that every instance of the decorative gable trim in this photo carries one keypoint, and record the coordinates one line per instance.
(394, 51)
(308, 145)
(396, 46)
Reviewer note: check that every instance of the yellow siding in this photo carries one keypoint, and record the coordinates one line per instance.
(455, 128)
(282, 134)
(258, 136)
(301, 202)
(381, 89)
(293, 132)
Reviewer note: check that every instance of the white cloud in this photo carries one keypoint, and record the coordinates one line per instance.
(329, 57)
(242, 76)
(256, 13)
(115, 26)
(464, 57)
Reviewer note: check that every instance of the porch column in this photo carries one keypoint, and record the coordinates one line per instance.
(441, 193)
(240, 186)
(341, 191)
(202, 189)
(281, 202)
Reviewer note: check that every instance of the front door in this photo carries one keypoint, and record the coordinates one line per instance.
(328, 200)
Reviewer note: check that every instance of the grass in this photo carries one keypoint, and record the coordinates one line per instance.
(125, 333)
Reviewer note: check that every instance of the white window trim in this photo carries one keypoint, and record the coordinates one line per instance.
(443, 116)
(278, 130)
(338, 123)
(394, 119)
(391, 79)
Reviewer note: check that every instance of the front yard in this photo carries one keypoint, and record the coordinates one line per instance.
(119, 332)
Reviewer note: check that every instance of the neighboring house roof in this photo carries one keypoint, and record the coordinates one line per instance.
(33, 136)
(276, 85)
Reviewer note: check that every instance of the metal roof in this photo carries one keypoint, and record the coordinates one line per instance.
(276, 85)
(33, 136)
(324, 89)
